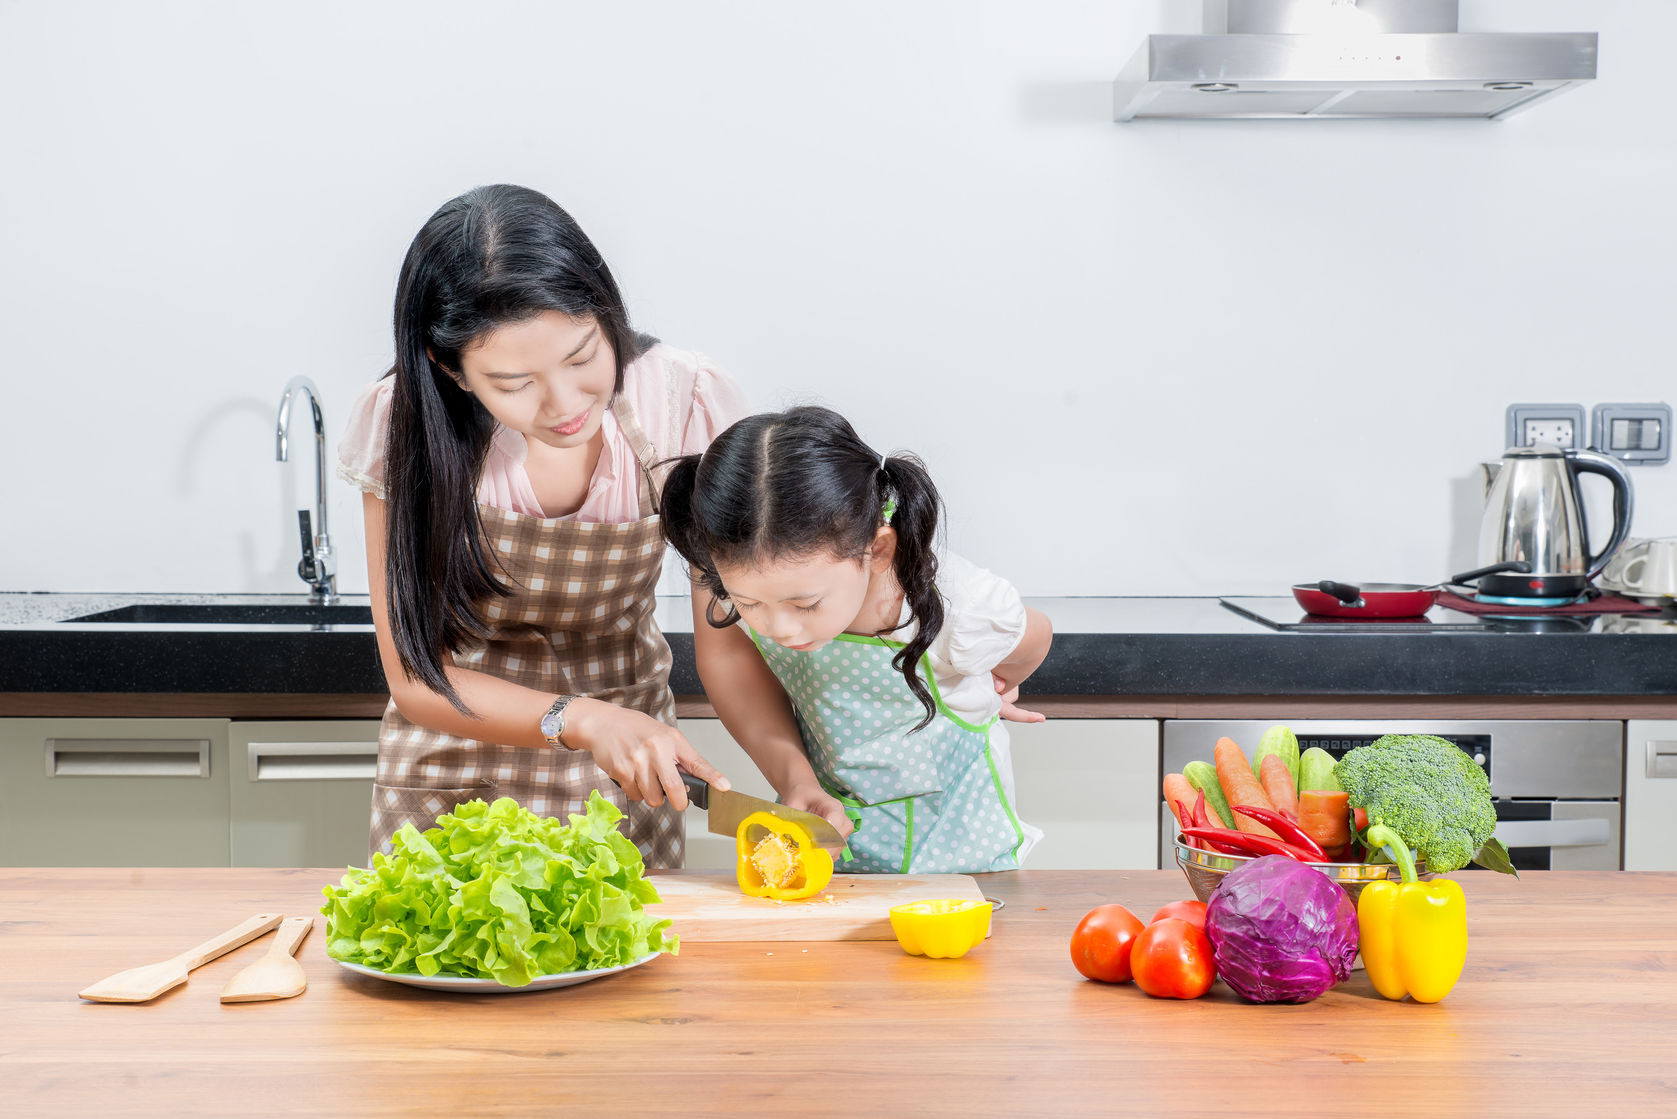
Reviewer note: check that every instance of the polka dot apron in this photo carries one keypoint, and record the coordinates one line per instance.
(930, 801)
(579, 620)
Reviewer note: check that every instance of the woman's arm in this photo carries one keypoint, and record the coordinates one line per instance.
(754, 709)
(635, 750)
(1028, 655)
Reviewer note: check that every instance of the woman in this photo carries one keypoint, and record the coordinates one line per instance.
(507, 463)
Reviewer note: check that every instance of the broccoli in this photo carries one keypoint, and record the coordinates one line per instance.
(1425, 789)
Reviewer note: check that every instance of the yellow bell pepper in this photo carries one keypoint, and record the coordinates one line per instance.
(943, 928)
(1413, 934)
(777, 859)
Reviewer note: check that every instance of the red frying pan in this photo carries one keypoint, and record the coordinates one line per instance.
(1383, 600)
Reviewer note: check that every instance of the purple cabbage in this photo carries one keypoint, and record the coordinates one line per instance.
(1280, 931)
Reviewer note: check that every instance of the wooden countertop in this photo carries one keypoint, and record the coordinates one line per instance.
(1569, 1004)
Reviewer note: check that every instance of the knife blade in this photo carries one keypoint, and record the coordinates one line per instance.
(726, 809)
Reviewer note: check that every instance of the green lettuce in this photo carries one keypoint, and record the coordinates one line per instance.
(495, 891)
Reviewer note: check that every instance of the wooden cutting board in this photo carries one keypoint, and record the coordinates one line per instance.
(709, 906)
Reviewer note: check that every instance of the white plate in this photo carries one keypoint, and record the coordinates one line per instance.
(474, 985)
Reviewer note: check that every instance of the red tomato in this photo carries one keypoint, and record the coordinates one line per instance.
(1172, 960)
(1192, 912)
(1100, 945)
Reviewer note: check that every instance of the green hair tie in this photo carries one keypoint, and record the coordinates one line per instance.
(890, 509)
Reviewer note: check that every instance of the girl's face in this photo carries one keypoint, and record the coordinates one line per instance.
(805, 602)
(549, 377)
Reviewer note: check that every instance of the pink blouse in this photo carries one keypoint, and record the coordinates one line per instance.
(681, 400)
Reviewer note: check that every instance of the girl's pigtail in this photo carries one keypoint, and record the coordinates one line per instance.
(680, 523)
(915, 517)
(437, 570)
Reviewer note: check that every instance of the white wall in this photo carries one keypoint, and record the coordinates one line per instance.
(1195, 358)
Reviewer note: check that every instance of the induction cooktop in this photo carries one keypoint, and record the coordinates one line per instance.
(1285, 614)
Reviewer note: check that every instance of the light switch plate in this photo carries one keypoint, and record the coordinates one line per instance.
(1559, 424)
(1638, 434)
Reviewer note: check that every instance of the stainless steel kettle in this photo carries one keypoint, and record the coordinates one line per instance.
(1534, 514)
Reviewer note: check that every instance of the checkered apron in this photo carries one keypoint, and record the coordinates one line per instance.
(579, 621)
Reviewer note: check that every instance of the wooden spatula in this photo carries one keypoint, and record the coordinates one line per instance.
(276, 975)
(142, 984)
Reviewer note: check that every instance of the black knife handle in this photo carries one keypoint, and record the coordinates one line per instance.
(698, 793)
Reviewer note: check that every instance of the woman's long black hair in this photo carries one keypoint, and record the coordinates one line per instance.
(788, 484)
(495, 256)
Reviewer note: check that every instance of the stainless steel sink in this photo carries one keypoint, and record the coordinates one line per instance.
(236, 614)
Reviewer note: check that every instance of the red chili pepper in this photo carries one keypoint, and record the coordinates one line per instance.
(1246, 843)
(1200, 818)
(1183, 816)
(1285, 827)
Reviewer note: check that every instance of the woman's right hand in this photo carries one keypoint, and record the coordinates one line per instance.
(637, 751)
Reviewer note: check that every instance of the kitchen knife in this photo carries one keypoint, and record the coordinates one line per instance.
(727, 808)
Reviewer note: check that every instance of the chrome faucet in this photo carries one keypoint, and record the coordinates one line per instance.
(319, 566)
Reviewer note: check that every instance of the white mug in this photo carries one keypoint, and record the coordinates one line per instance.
(1647, 568)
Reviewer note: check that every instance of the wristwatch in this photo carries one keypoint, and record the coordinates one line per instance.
(553, 723)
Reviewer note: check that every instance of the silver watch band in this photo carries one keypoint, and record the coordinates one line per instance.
(553, 723)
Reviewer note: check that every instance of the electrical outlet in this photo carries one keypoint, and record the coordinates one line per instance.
(1560, 425)
(1639, 434)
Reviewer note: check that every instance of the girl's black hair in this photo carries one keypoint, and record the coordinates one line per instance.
(495, 256)
(788, 484)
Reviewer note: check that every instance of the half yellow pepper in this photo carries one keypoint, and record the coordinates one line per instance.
(778, 859)
(942, 928)
(1413, 934)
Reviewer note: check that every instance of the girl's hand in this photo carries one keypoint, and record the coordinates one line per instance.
(1010, 709)
(813, 798)
(637, 751)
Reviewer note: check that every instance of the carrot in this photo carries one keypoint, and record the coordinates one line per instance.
(1234, 774)
(1178, 791)
(1277, 781)
(1326, 818)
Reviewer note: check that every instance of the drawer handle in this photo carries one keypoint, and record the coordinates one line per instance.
(128, 757)
(1662, 759)
(313, 761)
(1552, 833)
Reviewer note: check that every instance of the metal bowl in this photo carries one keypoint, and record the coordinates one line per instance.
(1205, 869)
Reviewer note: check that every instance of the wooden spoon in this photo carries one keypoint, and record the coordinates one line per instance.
(276, 975)
(142, 984)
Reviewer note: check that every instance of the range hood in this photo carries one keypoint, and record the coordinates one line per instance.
(1303, 59)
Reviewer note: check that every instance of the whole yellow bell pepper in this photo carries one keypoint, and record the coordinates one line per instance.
(1413, 934)
(942, 928)
(777, 859)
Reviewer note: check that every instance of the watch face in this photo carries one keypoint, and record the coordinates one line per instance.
(552, 724)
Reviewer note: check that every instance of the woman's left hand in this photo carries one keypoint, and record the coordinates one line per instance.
(1011, 711)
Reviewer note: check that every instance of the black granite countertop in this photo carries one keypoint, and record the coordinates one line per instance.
(1102, 647)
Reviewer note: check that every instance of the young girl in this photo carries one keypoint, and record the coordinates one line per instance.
(512, 542)
(877, 691)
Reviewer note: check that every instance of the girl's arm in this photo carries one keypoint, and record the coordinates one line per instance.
(635, 750)
(1028, 655)
(754, 709)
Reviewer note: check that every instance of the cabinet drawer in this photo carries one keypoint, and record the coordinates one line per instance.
(301, 792)
(113, 792)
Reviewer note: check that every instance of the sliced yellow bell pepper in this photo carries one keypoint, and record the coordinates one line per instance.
(777, 859)
(1413, 935)
(942, 928)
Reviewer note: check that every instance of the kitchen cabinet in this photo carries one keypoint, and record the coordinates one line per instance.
(113, 792)
(1650, 794)
(299, 791)
(1091, 785)
(185, 792)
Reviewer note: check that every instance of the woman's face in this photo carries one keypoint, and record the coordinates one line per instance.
(549, 377)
